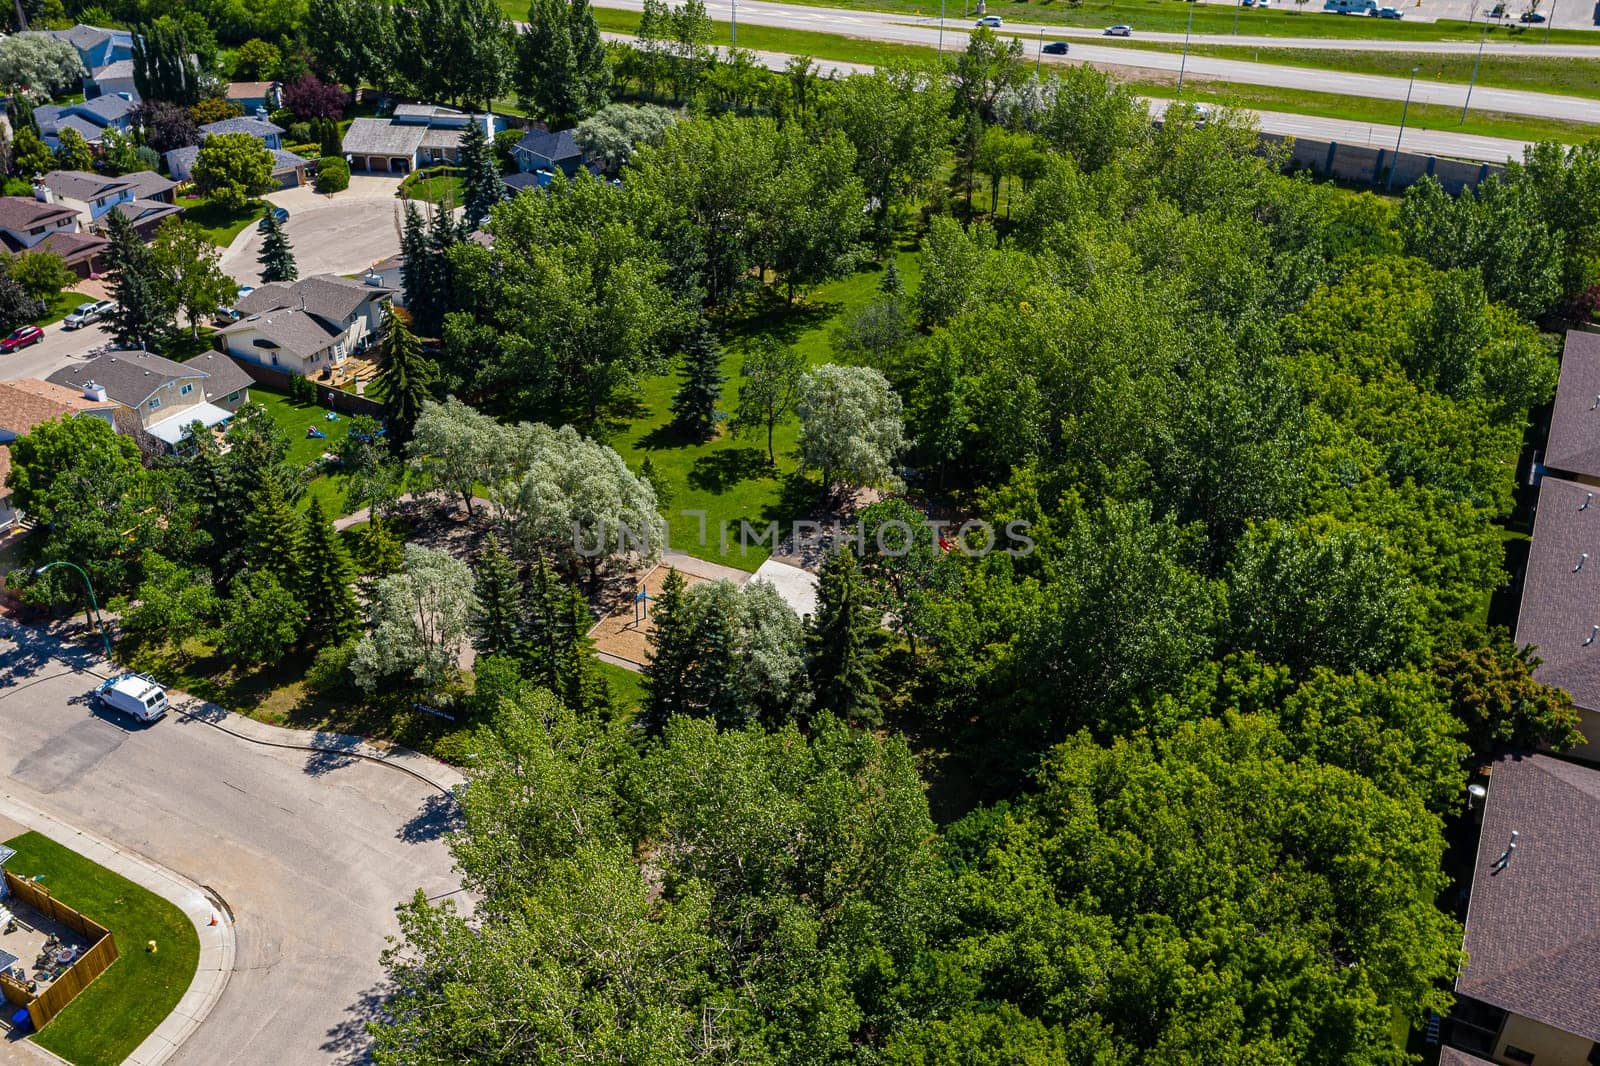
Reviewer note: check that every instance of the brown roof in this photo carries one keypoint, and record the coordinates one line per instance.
(26, 402)
(1561, 589)
(74, 247)
(1574, 445)
(1456, 1057)
(249, 90)
(22, 213)
(1533, 927)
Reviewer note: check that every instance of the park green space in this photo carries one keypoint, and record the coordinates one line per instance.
(112, 1016)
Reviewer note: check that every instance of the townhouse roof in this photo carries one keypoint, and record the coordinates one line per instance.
(255, 127)
(378, 136)
(26, 402)
(1533, 922)
(1560, 610)
(1574, 443)
(23, 213)
(82, 184)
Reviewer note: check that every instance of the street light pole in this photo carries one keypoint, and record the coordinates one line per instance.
(1038, 57)
(1389, 186)
(1237, 7)
(93, 616)
(941, 27)
(1551, 21)
(1184, 62)
(1482, 38)
(733, 23)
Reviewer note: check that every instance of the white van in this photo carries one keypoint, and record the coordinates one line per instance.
(134, 695)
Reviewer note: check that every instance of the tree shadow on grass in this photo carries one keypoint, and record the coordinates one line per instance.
(668, 436)
(784, 322)
(726, 467)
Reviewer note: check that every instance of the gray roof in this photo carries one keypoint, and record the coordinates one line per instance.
(442, 138)
(47, 113)
(182, 159)
(109, 107)
(1456, 1057)
(22, 213)
(80, 36)
(1561, 589)
(1574, 445)
(1533, 927)
(326, 295)
(255, 127)
(148, 185)
(553, 146)
(223, 375)
(82, 184)
(291, 330)
(129, 377)
(144, 212)
(426, 111)
(85, 129)
(377, 136)
(122, 68)
(283, 160)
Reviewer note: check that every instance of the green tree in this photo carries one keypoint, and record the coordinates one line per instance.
(554, 636)
(897, 120)
(232, 169)
(410, 380)
(261, 619)
(850, 428)
(190, 268)
(256, 60)
(1491, 688)
(420, 619)
(611, 134)
(275, 538)
(172, 603)
(147, 307)
(164, 64)
(42, 275)
(119, 152)
(770, 390)
(332, 614)
(453, 447)
(672, 655)
(30, 156)
(841, 638)
(277, 255)
(561, 68)
(497, 615)
(694, 406)
(73, 152)
(41, 66)
(481, 188)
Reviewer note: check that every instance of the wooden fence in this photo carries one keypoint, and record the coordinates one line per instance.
(102, 952)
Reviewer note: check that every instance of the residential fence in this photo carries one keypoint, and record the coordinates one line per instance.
(101, 953)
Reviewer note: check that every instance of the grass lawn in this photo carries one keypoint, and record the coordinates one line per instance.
(1378, 112)
(832, 46)
(1551, 74)
(728, 477)
(114, 1014)
(436, 188)
(220, 224)
(627, 687)
(61, 306)
(295, 418)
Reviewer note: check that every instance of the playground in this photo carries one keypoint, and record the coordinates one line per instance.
(622, 636)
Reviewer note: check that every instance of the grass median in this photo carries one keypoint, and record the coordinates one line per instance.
(112, 1016)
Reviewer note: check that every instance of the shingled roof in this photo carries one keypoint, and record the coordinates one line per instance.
(1533, 927)
(26, 402)
(325, 295)
(1560, 609)
(1574, 445)
(1456, 1057)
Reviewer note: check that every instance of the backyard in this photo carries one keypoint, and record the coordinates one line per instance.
(113, 1015)
(296, 418)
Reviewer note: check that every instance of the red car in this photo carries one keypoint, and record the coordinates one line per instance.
(21, 338)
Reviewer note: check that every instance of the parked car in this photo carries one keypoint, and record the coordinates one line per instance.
(83, 314)
(994, 22)
(134, 695)
(1056, 48)
(279, 213)
(21, 338)
(1390, 13)
(1531, 16)
(1119, 30)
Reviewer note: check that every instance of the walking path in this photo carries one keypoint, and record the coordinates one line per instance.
(211, 920)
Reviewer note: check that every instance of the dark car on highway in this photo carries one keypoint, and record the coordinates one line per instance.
(1056, 48)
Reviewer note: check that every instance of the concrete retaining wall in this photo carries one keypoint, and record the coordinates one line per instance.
(1370, 166)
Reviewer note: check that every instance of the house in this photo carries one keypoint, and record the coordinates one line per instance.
(26, 402)
(255, 96)
(308, 327)
(29, 224)
(165, 397)
(1529, 991)
(288, 169)
(94, 196)
(1573, 447)
(113, 79)
(266, 132)
(416, 135)
(540, 150)
(148, 185)
(97, 47)
(90, 119)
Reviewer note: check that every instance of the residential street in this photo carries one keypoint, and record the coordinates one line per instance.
(60, 347)
(311, 851)
(344, 233)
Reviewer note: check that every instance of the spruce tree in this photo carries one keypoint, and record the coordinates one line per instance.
(840, 639)
(667, 677)
(414, 262)
(145, 315)
(694, 408)
(497, 618)
(332, 613)
(712, 689)
(480, 188)
(409, 380)
(277, 256)
(892, 285)
(582, 687)
(274, 537)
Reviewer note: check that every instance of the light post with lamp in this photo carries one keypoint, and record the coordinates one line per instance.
(1389, 185)
(93, 615)
(1481, 39)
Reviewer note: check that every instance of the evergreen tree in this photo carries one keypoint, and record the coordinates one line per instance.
(414, 263)
(892, 285)
(146, 307)
(332, 613)
(20, 112)
(277, 256)
(694, 408)
(480, 189)
(164, 64)
(671, 656)
(547, 67)
(275, 537)
(409, 380)
(588, 59)
(497, 616)
(842, 657)
(555, 639)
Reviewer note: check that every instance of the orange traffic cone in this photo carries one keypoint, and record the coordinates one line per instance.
(213, 918)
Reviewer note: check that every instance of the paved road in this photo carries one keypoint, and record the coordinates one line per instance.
(60, 347)
(889, 27)
(311, 852)
(340, 234)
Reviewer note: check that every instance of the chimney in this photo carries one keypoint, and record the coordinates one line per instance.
(92, 391)
(42, 193)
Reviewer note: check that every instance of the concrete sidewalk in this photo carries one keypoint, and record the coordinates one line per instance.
(218, 944)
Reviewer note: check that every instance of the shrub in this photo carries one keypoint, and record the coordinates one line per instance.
(329, 673)
(333, 174)
(299, 133)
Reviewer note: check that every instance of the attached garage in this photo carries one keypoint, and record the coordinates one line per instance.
(379, 146)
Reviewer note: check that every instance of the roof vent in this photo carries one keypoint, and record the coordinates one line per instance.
(1588, 498)
(1505, 856)
(1593, 633)
(1595, 404)
(1583, 557)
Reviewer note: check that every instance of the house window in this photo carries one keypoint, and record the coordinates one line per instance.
(233, 397)
(155, 401)
(185, 390)
(35, 231)
(1516, 1054)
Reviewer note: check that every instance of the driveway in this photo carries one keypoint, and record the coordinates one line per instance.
(344, 233)
(311, 852)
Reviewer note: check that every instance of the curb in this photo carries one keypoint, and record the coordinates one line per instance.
(218, 943)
